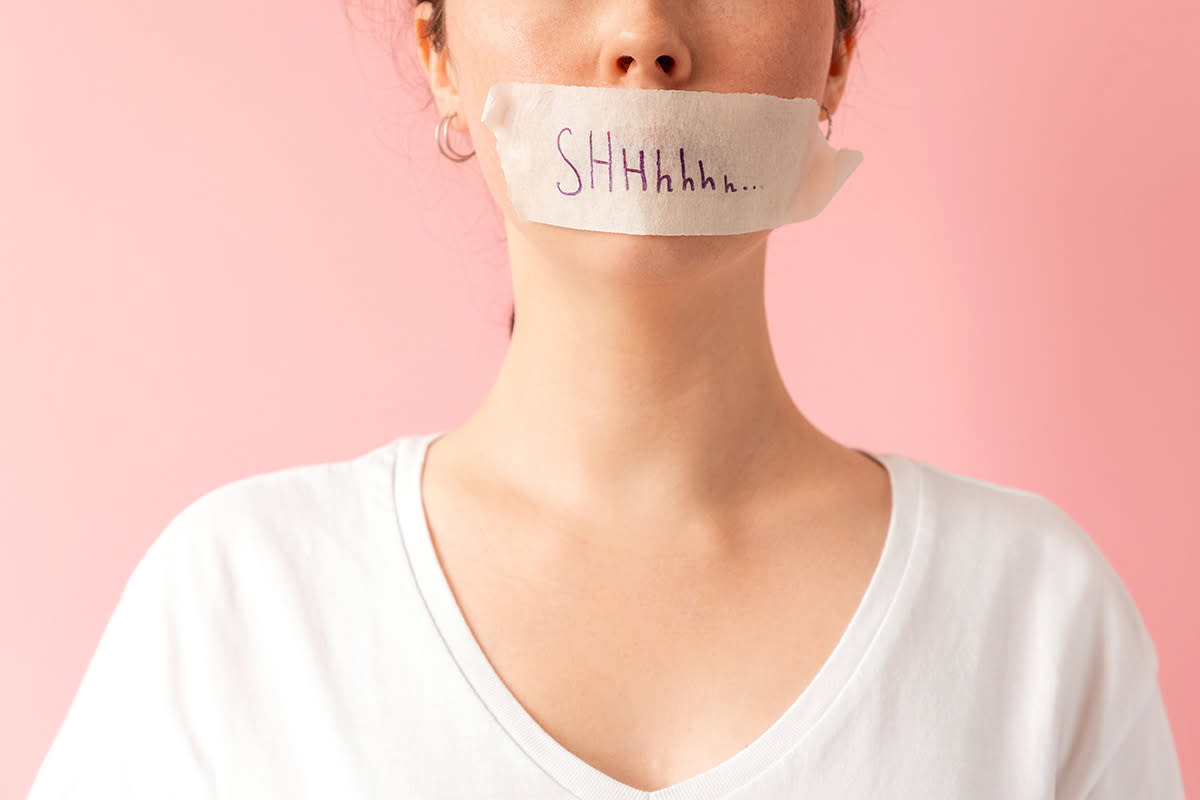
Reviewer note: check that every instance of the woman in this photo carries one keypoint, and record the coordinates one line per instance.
(637, 570)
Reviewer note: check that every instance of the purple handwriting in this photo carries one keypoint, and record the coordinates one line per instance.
(686, 182)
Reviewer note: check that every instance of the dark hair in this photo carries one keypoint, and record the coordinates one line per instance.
(848, 16)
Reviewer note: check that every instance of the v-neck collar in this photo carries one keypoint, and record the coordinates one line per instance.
(574, 774)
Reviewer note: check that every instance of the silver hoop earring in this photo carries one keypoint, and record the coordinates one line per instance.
(829, 117)
(441, 136)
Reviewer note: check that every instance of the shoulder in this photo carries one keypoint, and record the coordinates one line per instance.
(308, 496)
(1045, 587)
(293, 518)
(1032, 562)
(1034, 598)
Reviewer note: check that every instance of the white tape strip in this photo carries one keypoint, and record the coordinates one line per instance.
(662, 161)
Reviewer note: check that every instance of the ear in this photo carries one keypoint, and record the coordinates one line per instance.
(839, 67)
(439, 68)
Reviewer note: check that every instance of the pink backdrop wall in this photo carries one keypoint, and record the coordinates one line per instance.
(228, 245)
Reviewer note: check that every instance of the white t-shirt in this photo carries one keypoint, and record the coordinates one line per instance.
(292, 635)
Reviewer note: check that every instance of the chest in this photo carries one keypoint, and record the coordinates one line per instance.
(651, 668)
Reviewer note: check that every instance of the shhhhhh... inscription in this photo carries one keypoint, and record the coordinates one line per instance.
(664, 174)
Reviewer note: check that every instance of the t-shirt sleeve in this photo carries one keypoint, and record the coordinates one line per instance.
(1114, 738)
(130, 730)
(1145, 764)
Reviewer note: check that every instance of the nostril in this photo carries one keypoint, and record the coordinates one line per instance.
(666, 62)
(625, 61)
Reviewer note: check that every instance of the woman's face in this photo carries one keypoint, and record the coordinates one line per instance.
(779, 47)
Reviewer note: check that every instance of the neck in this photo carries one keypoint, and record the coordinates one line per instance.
(642, 399)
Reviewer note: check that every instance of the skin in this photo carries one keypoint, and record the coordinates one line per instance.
(639, 465)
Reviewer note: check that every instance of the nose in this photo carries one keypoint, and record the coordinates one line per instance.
(646, 51)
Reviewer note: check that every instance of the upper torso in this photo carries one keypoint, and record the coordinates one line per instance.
(294, 634)
(716, 647)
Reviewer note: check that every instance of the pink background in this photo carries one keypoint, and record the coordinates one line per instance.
(228, 245)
